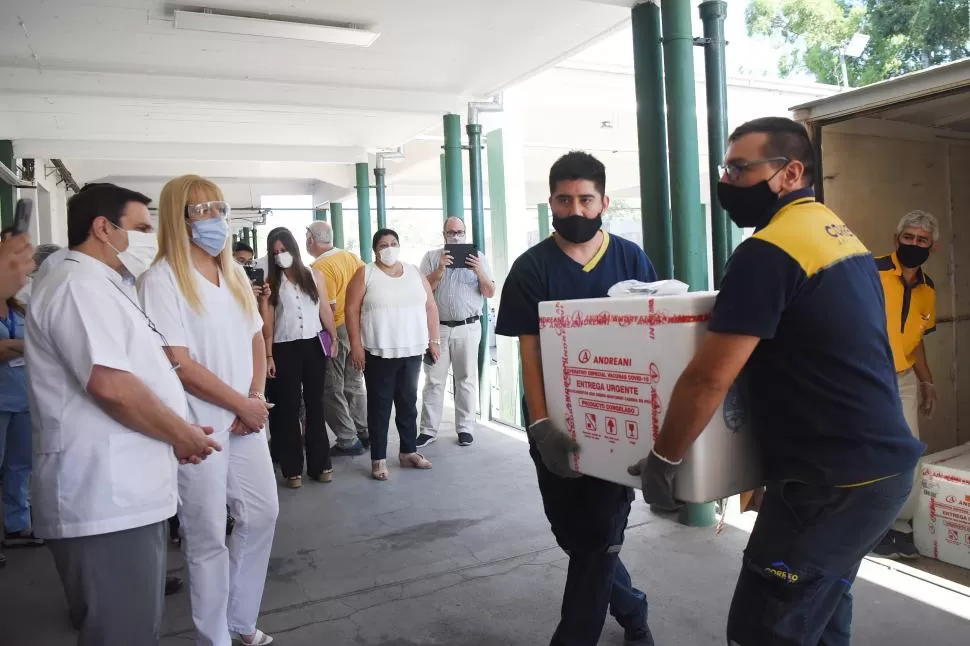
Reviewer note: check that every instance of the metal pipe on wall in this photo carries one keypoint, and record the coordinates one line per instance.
(725, 236)
(652, 137)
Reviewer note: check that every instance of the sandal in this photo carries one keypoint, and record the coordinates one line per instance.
(259, 638)
(414, 461)
(295, 482)
(378, 470)
(324, 476)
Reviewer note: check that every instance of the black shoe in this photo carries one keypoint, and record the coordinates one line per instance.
(896, 545)
(638, 637)
(23, 538)
(355, 450)
(230, 524)
(364, 441)
(465, 439)
(172, 585)
(424, 440)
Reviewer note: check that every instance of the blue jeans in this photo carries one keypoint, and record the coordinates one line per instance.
(802, 558)
(16, 459)
(588, 518)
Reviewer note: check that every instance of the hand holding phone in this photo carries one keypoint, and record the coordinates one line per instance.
(21, 220)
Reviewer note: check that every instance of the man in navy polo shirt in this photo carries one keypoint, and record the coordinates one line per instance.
(801, 309)
(588, 516)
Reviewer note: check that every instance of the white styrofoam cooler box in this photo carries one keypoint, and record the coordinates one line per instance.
(942, 523)
(610, 365)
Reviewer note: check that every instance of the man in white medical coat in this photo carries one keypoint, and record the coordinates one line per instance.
(109, 424)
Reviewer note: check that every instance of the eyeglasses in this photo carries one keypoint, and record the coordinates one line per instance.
(734, 170)
(208, 210)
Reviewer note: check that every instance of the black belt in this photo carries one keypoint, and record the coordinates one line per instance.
(470, 319)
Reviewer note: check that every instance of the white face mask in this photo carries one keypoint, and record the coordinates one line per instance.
(141, 252)
(284, 260)
(389, 255)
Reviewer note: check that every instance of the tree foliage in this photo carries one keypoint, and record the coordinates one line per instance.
(905, 35)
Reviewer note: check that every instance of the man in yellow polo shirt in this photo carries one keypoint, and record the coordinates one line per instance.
(345, 402)
(910, 315)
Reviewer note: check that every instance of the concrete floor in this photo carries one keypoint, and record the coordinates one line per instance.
(462, 556)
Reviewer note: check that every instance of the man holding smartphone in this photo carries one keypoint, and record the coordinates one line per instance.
(460, 287)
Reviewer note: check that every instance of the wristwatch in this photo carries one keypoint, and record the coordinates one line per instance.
(435, 341)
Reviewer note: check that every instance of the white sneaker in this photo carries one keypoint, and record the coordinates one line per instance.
(259, 638)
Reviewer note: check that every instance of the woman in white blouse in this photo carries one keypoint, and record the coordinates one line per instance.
(204, 307)
(296, 312)
(392, 321)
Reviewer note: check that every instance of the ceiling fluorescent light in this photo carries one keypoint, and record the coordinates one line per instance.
(223, 24)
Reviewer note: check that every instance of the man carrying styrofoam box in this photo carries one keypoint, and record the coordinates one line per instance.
(610, 366)
(801, 310)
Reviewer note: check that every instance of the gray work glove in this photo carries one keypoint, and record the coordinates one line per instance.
(657, 479)
(555, 447)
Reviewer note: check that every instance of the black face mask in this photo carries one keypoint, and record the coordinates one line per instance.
(911, 256)
(747, 206)
(576, 228)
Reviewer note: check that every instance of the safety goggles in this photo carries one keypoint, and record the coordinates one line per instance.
(208, 210)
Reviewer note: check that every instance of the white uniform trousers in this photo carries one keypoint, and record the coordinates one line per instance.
(909, 397)
(459, 349)
(226, 581)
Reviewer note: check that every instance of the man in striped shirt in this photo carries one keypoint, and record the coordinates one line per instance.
(460, 294)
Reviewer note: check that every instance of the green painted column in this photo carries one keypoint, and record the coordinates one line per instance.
(380, 192)
(652, 138)
(444, 189)
(543, 221)
(245, 236)
(725, 236)
(478, 236)
(337, 223)
(689, 229)
(508, 240)
(320, 214)
(363, 212)
(8, 193)
(454, 184)
(255, 244)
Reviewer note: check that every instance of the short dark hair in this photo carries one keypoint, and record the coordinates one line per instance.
(94, 201)
(242, 246)
(578, 165)
(380, 234)
(786, 138)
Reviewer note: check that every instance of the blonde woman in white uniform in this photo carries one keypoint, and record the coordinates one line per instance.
(201, 301)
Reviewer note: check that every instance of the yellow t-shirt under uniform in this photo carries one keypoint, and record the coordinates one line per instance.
(338, 267)
(910, 309)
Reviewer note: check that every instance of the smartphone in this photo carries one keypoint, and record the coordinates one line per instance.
(429, 358)
(459, 254)
(255, 274)
(21, 220)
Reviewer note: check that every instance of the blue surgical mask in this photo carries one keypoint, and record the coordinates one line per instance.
(211, 235)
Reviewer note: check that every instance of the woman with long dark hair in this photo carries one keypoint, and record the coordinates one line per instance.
(296, 315)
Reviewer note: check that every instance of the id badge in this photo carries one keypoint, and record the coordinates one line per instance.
(17, 363)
